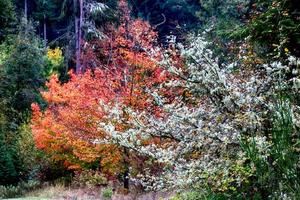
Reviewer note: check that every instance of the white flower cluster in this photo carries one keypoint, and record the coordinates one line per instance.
(96, 7)
(201, 138)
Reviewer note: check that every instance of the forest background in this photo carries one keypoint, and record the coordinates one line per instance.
(194, 96)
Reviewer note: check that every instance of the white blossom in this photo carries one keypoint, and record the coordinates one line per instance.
(226, 105)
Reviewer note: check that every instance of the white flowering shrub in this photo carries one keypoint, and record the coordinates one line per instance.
(200, 138)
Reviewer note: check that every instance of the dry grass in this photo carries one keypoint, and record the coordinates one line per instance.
(51, 192)
(60, 192)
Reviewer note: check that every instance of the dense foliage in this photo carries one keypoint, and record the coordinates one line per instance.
(196, 97)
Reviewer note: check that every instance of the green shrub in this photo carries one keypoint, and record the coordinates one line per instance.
(277, 28)
(107, 193)
(8, 173)
(196, 195)
(193, 195)
(10, 191)
(276, 159)
(19, 190)
(29, 155)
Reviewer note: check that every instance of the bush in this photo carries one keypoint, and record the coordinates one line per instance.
(276, 158)
(89, 178)
(30, 157)
(277, 28)
(10, 191)
(107, 193)
(8, 172)
(19, 190)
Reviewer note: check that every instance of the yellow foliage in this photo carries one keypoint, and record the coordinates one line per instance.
(286, 50)
(55, 56)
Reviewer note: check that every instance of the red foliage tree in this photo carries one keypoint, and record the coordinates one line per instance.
(122, 73)
(132, 51)
(68, 127)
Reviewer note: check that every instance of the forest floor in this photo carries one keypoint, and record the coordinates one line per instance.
(59, 192)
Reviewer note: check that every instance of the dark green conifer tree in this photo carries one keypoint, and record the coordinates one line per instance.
(23, 72)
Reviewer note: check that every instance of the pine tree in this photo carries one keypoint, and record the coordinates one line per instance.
(22, 75)
(23, 71)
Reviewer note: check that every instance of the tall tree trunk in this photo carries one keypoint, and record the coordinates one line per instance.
(26, 17)
(77, 53)
(81, 14)
(25, 9)
(45, 31)
(78, 37)
(77, 44)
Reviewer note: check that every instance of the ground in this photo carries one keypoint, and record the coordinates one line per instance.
(59, 192)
